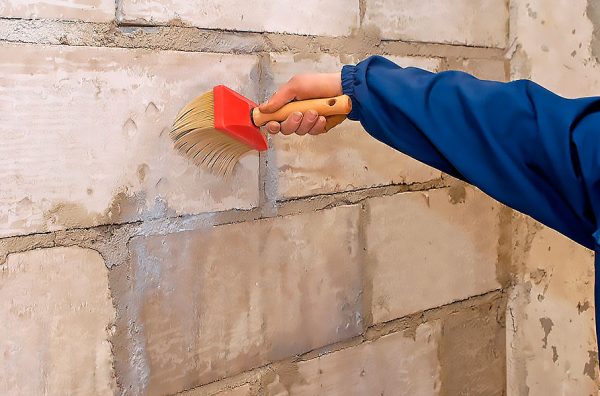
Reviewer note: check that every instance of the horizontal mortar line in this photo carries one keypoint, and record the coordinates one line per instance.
(214, 31)
(212, 218)
(124, 23)
(8, 18)
(257, 371)
(453, 45)
(262, 48)
(102, 40)
(361, 338)
(411, 187)
(149, 24)
(219, 219)
(167, 25)
(232, 51)
(207, 50)
(73, 229)
(387, 327)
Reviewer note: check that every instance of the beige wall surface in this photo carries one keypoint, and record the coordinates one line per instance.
(551, 330)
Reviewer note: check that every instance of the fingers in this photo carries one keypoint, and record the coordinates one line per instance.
(291, 124)
(306, 125)
(273, 127)
(300, 87)
(319, 126)
(308, 122)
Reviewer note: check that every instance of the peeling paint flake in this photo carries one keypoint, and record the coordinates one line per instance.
(593, 13)
(547, 325)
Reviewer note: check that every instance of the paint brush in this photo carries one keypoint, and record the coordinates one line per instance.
(217, 128)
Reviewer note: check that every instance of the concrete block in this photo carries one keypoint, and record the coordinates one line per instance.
(472, 349)
(485, 69)
(395, 364)
(80, 10)
(558, 46)
(461, 352)
(428, 249)
(85, 136)
(198, 306)
(552, 338)
(470, 22)
(552, 342)
(310, 17)
(347, 158)
(57, 319)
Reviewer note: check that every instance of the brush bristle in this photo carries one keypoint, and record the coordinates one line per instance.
(195, 136)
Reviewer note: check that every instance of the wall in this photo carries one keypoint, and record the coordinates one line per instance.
(551, 338)
(328, 265)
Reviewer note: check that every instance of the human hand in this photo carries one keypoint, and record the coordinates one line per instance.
(302, 87)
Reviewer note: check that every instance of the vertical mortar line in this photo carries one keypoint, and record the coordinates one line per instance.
(508, 27)
(507, 70)
(362, 9)
(444, 65)
(518, 297)
(504, 264)
(111, 338)
(267, 173)
(263, 59)
(504, 271)
(510, 41)
(366, 266)
(512, 44)
(117, 11)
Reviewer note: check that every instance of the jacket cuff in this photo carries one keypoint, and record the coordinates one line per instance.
(348, 82)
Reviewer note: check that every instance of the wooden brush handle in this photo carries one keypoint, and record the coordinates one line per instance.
(339, 105)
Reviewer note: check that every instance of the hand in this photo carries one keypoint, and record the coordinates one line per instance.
(301, 87)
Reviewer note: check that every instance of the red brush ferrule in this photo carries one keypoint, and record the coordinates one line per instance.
(233, 116)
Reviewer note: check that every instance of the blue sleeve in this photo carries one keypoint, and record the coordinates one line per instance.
(518, 142)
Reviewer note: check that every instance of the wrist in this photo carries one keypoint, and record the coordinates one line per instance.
(336, 82)
(348, 77)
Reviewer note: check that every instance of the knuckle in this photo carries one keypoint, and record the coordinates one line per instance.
(294, 80)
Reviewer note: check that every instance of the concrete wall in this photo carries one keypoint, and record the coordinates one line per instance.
(550, 321)
(328, 265)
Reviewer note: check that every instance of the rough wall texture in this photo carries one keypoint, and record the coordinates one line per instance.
(57, 321)
(551, 337)
(328, 265)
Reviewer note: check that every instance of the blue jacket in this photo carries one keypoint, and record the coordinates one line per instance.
(528, 148)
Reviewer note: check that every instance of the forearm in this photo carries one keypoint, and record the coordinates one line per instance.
(512, 140)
